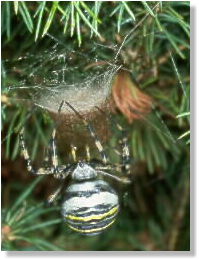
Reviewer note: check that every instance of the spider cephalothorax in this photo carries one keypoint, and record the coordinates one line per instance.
(90, 204)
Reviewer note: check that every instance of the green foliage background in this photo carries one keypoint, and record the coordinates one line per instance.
(155, 211)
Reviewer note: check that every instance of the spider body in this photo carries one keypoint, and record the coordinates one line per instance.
(90, 204)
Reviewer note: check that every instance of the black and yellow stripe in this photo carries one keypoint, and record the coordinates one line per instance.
(90, 207)
(92, 224)
(93, 230)
(94, 217)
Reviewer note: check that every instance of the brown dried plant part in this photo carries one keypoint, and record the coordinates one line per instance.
(7, 233)
(5, 100)
(129, 99)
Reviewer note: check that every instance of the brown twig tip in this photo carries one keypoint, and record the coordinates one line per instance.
(7, 233)
(130, 100)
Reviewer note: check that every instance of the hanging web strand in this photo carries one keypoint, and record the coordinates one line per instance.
(130, 34)
(178, 74)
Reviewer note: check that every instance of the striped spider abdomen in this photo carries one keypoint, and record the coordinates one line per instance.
(90, 206)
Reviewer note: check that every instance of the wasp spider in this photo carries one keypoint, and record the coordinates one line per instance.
(90, 204)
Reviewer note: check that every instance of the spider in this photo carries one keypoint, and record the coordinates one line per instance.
(90, 204)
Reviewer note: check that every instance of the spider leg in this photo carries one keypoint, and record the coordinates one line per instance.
(52, 197)
(53, 149)
(64, 172)
(58, 171)
(92, 133)
(88, 156)
(26, 156)
(98, 144)
(46, 157)
(107, 167)
(123, 180)
(53, 146)
(125, 154)
(73, 152)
